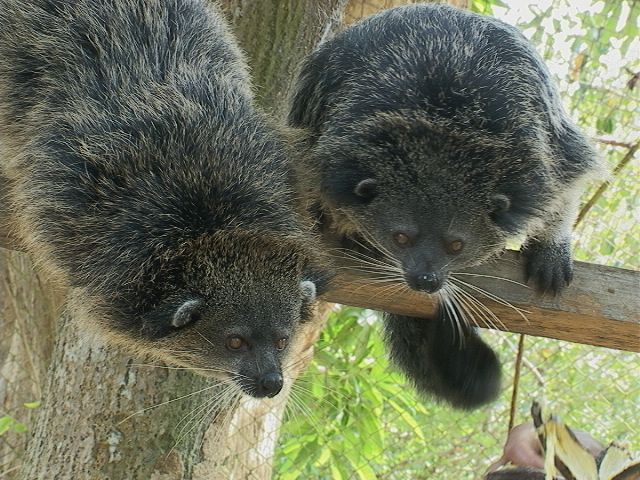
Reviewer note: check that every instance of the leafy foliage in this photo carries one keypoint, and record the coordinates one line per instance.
(9, 424)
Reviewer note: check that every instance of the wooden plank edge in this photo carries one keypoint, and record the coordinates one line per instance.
(601, 308)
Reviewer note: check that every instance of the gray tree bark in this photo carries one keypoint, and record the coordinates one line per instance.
(28, 310)
(87, 427)
(277, 34)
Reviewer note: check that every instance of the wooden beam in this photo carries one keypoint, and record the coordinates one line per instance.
(601, 307)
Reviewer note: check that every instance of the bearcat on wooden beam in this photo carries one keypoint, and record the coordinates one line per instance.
(433, 135)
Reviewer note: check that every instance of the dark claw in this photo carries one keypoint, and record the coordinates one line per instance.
(548, 265)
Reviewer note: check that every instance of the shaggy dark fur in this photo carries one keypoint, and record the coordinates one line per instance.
(143, 177)
(434, 135)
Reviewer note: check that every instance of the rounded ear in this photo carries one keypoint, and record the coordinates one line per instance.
(366, 188)
(186, 313)
(500, 203)
(308, 289)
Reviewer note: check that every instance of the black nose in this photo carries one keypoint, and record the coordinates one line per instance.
(429, 282)
(270, 384)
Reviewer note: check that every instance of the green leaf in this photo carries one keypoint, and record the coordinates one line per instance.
(363, 348)
(325, 456)
(325, 358)
(365, 472)
(20, 427)
(308, 454)
(5, 424)
(605, 124)
(408, 419)
(32, 405)
(336, 472)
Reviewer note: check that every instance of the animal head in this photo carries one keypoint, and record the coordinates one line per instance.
(438, 134)
(228, 305)
(429, 197)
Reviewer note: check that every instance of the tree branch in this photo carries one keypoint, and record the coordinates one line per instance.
(606, 184)
(613, 143)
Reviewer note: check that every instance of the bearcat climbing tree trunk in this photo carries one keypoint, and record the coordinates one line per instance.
(87, 427)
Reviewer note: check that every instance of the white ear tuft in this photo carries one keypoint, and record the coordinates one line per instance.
(308, 290)
(501, 203)
(186, 313)
(366, 188)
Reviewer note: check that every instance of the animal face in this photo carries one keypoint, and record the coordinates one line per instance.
(227, 305)
(430, 205)
(426, 240)
(242, 335)
(429, 239)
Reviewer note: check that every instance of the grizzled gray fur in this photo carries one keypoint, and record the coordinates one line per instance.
(434, 135)
(143, 178)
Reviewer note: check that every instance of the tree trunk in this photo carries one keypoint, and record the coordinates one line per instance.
(83, 429)
(87, 427)
(276, 35)
(28, 310)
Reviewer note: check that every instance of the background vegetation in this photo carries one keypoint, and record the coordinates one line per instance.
(354, 416)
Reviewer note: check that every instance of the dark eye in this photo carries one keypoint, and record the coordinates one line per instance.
(235, 343)
(281, 344)
(455, 247)
(401, 239)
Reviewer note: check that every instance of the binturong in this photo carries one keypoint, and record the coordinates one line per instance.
(435, 135)
(143, 178)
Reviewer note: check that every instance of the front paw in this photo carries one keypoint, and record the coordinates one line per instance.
(549, 265)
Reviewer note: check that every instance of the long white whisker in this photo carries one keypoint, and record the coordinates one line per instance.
(227, 407)
(386, 278)
(381, 248)
(464, 308)
(205, 338)
(207, 413)
(167, 402)
(194, 412)
(389, 290)
(368, 237)
(451, 301)
(477, 306)
(302, 389)
(449, 308)
(324, 387)
(306, 411)
(367, 268)
(497, 299)
(207, 369)
(483, 308)
(356, 254)
(372, 262)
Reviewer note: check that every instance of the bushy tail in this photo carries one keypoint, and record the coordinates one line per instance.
(429, 352)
